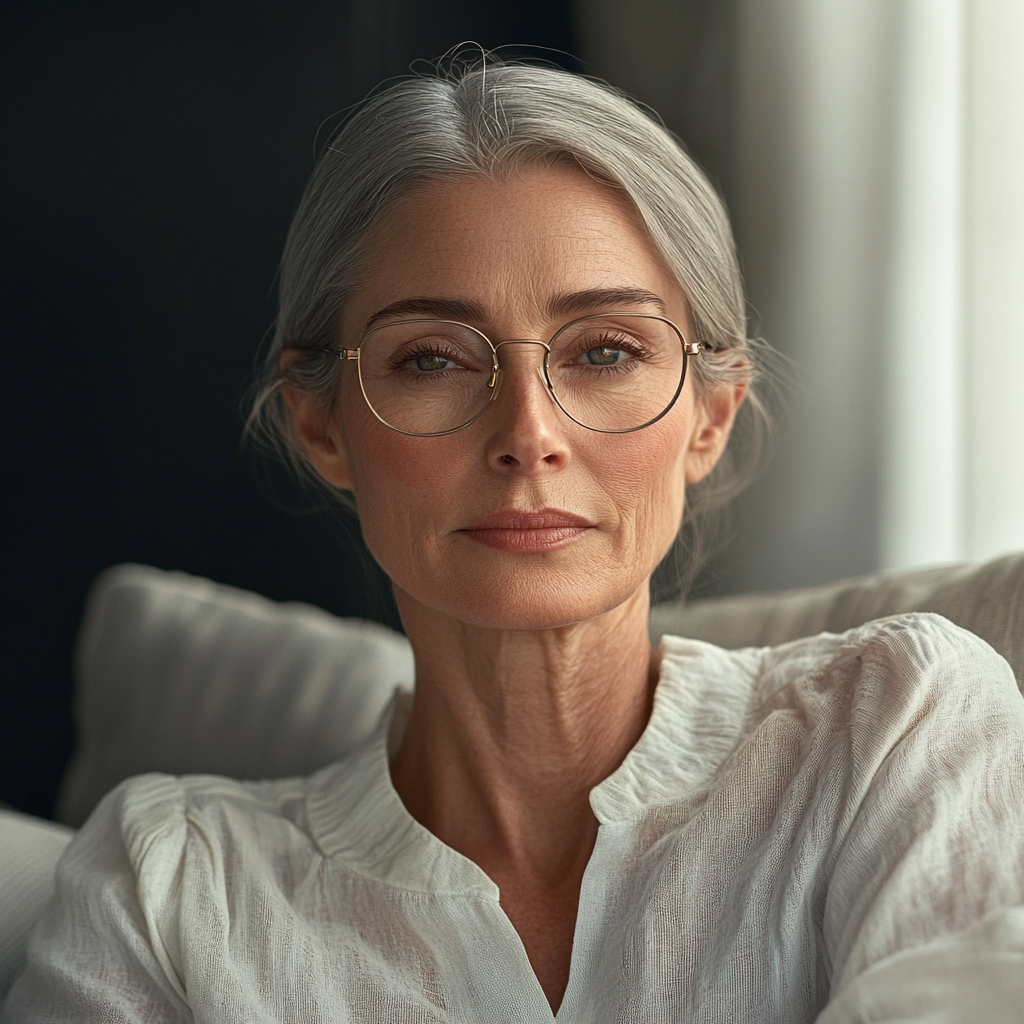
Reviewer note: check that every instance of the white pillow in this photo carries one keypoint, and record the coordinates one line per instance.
(178, 674)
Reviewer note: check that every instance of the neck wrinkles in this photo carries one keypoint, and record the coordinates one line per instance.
(510, 731)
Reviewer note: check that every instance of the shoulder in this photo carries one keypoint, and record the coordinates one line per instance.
(153, 864)
(910, 654)
(156, 841)
(912, 709)
(914, 679)
(915, 664)
(154, 835)
(151, 816)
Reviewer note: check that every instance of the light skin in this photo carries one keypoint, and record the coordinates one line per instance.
(534, 673)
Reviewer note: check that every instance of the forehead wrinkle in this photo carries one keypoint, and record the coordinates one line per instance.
(527, 292)
(611, 287)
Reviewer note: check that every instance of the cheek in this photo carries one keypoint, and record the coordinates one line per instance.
(398, 483)
(383, 462)
(652, 477)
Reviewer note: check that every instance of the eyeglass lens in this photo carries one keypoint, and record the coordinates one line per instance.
(614, 373)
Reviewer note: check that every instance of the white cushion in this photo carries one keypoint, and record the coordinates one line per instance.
(181, 675)
(986, 598)
(29, 851)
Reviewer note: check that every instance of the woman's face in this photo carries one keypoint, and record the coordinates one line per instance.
(524, 519)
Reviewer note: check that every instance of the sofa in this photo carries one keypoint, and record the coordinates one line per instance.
(179, 674)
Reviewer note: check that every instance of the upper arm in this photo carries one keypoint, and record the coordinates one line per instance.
(975, 976)
(104, 949)
(923, 918)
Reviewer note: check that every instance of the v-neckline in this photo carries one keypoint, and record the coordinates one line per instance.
(357, 816)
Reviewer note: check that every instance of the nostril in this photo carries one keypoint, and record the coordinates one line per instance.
(507, 459)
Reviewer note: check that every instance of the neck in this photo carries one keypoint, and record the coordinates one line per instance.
(511, 729)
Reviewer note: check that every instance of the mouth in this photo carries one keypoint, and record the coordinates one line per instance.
(513, 530)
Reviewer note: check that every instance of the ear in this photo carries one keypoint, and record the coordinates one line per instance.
(320, 435)
(714, 415)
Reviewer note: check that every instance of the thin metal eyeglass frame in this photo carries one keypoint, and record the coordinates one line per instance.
(690, 348)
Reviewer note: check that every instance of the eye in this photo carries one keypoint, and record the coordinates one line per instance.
(428, 357)
(604, 355)
(431, 362)
(603, 349)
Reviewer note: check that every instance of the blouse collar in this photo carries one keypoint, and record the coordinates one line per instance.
(700, 706)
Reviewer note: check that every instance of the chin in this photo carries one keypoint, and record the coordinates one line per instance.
(532, 600)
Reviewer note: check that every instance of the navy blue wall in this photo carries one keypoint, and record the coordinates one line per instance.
(153, 155)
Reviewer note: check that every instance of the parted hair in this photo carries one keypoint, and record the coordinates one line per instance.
(492, 119)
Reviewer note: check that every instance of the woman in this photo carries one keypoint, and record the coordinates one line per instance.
(512, 330)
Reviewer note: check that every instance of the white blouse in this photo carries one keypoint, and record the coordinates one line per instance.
(830, 830)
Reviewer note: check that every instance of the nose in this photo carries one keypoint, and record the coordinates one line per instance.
(527, 427)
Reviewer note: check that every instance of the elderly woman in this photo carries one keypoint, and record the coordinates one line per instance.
(512, 329)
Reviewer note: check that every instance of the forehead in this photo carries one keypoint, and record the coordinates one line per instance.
(512, 246)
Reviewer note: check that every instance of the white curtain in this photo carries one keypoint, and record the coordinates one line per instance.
(881, 204)
(993, 279)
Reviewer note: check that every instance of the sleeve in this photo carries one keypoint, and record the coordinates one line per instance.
(105, 948)
(924, 918)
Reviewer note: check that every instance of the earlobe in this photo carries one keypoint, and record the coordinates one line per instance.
(319, 435)
(714, 417)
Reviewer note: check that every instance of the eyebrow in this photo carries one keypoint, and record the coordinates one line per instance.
(604, 298)
(442, 309)
(465, 310)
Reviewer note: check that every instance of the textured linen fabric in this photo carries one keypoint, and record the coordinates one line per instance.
(832, 829)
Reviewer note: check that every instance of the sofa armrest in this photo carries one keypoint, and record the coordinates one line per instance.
(29, 851)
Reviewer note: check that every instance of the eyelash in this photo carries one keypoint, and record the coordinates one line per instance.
(403, 359)
(622, 342)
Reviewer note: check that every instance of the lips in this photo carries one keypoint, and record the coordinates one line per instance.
(523, 530)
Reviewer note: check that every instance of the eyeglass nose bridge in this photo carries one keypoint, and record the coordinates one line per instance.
(498, 375)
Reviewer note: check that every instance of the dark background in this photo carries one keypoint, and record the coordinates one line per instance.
(153, 156)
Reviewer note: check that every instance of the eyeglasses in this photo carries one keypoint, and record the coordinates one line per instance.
(614, 373)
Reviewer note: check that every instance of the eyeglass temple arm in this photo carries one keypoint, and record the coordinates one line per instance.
(338, 353)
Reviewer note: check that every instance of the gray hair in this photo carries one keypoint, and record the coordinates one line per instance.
(491, 119)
